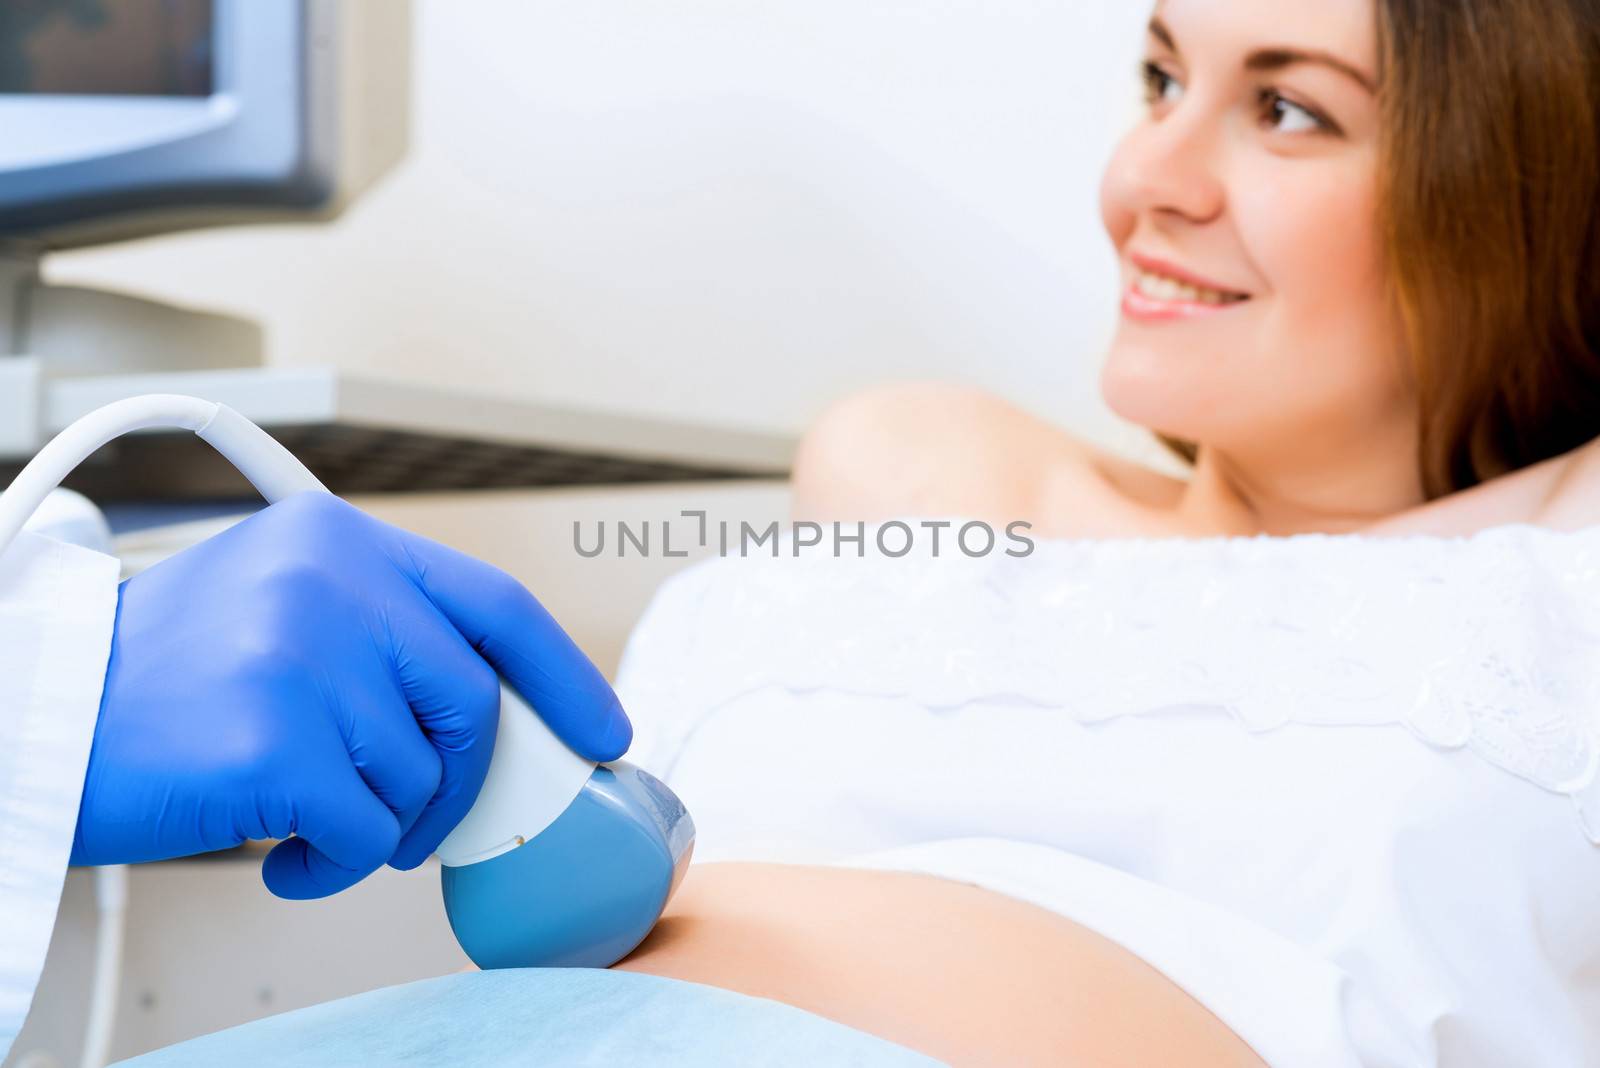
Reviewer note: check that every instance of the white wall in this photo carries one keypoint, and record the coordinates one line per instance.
(718, 209)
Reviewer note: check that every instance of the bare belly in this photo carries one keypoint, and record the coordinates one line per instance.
(960, 973)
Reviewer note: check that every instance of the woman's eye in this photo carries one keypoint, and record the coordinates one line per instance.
(1157, 83)
(1292, 117)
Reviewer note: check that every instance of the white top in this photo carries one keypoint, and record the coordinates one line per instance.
(1340, 788)
(58, 604)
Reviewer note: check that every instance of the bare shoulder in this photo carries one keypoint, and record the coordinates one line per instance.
(937, 448)
(1570, 499)
(1561, 492)
(922, 448)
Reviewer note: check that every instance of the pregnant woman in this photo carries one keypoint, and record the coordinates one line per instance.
(1288, 762)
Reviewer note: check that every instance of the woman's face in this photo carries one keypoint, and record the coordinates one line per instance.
(1253, 169)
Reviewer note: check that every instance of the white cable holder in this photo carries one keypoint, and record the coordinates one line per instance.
(271, 468)
(111, 902)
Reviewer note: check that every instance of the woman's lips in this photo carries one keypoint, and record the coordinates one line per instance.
(1136, 305)
(1159, 290)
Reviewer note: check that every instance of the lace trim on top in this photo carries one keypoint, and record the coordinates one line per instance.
(1488, 641)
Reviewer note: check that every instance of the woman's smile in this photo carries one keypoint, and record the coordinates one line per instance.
(1158, 291)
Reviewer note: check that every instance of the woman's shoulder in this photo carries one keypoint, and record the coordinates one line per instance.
(1561, 493)
(939, 448)
(1569, 489)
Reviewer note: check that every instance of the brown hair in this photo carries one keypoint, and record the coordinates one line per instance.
(1490, 220)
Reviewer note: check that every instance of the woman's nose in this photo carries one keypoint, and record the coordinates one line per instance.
(1169, 165)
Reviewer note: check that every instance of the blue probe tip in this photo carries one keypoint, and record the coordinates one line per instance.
(585, 891)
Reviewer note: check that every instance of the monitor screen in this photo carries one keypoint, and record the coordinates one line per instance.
(106, 47)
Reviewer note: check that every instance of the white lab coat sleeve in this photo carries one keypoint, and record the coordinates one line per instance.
(58, 606)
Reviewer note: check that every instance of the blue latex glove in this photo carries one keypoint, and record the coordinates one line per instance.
(315, 672)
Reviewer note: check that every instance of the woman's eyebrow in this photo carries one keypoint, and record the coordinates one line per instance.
(1277, 58)
(1159, 31)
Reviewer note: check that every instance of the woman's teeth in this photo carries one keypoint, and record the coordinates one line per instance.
(1160, 287)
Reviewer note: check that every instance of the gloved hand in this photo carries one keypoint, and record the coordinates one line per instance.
(316, 672)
